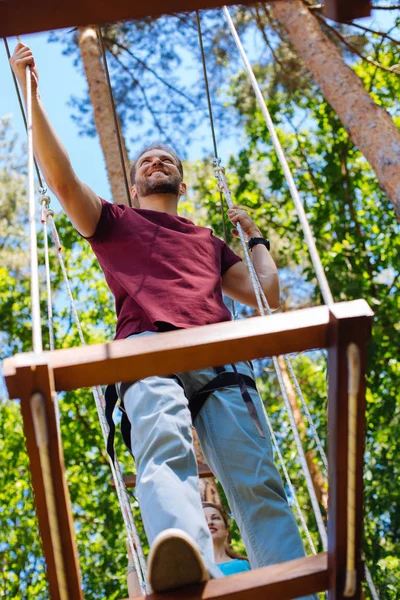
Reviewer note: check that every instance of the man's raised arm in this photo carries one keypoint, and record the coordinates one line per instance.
(78, 200)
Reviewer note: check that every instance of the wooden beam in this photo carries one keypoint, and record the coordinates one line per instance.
(18, 17)
(49, 485)
(130, 480)
(287, 580)
(184, 350)
(346, 10)
(344, 332)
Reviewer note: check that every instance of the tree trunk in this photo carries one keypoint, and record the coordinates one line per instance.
(369, 126)
(207, 485)
(103, 115)
(315, 472)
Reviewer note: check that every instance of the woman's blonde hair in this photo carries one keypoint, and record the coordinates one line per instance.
(228, 549)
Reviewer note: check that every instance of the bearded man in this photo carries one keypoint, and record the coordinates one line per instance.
(167, 273)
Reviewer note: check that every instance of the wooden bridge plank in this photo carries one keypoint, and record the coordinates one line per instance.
(345, 10)
(19, 17)
(184, 350)
(287, 580)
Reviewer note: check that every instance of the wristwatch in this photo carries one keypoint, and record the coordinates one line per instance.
(258, 240)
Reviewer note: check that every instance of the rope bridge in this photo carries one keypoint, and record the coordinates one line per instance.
(342, 328)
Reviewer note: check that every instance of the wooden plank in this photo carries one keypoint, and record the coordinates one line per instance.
(18, 17)
(130, 480)
(347, 10)
(287, 580)
(184, 350)
(179, 351)
(343, 332)
(31, 380)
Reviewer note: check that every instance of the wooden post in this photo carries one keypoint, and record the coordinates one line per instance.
(36, 390)
(343, 332)
(343, 10)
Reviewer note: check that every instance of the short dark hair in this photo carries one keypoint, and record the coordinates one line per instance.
(155, 146)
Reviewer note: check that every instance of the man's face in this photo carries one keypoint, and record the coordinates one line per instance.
(157, 173)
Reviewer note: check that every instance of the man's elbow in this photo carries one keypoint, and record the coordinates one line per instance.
(273, 293)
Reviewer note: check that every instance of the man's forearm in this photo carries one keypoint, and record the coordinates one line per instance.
(267, 274)
(49, 151)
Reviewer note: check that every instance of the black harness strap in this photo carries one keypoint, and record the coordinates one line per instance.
(227, 379)
(196, 402)
(248, 400)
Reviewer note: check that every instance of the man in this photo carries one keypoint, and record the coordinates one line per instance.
(167, 273)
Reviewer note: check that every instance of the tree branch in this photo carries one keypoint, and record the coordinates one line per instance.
(353, 48)
(380, 33)
(266, 40)
(145, 65)
(146, 100)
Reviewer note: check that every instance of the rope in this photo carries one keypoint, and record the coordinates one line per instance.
(213, 134)
(264, 309)
(115, 117)
(45, 201)
(123, 498)
(21, 105)
(319, 270)
(35, 300)
(289, 483)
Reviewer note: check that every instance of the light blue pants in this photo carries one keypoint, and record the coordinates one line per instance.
(167, 479)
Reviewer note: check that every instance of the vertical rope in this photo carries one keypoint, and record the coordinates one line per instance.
(45, 201)
(289, 483)
(213, 134)
(35, 300)
(264, 309)
(319, 270)
(21, 105)
(123, 498)
(115, 117)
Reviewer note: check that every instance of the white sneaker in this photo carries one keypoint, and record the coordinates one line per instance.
(175, 561)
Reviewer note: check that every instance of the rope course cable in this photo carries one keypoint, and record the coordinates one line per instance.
(322, 280)
(47, 215)
(123, 498)
(265, 309)
(212, 127)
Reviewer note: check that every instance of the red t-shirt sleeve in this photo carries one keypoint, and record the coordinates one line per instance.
(109, 214)
(228, 257)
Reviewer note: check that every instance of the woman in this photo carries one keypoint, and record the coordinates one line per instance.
(227, 560)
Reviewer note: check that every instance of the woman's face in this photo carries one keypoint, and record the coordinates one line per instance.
(215, 524)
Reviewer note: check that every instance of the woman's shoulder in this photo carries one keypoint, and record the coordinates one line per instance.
(237, 565)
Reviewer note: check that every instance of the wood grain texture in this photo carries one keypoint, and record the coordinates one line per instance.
(292, 579)
(345, 10)
(19, 17)
(179, 351)
(342, 333)
(39, 379)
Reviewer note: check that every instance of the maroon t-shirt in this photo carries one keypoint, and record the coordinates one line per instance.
(161, 268)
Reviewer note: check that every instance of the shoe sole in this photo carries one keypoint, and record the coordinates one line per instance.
(175, 562)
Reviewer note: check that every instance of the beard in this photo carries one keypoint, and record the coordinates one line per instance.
(164, 184)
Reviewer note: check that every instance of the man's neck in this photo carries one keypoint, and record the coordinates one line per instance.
(160, 202)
